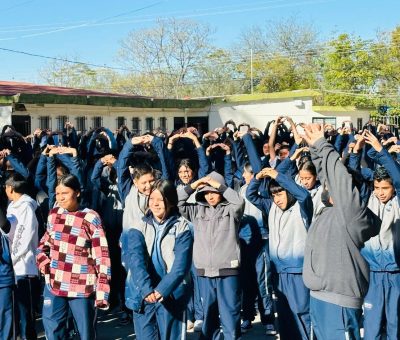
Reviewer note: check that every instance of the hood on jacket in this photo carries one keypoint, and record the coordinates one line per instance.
(24, 199)
(201, 192)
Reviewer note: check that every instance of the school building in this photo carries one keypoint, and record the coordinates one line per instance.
(30, 106)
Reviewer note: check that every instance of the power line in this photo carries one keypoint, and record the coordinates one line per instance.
(192, 15)
(85, 24)
(153, 17)
(62, 59)
(16, 5)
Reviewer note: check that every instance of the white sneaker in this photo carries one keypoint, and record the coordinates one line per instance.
(198, 325)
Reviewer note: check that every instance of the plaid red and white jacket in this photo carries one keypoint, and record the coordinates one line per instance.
(73, 254)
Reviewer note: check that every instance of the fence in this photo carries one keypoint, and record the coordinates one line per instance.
(391, 121)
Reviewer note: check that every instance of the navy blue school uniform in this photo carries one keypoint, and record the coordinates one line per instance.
(382, 253)
(6, 281)
(157, 258)
(287, 235)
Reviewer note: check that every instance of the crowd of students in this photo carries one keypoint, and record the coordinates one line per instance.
(186, 231)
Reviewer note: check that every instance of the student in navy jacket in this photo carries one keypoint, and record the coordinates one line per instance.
(158, 260)
(382, 252)
(289, 211)
(6, 277)
(185, 170)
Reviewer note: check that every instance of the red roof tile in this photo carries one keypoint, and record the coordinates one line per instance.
(10, 88)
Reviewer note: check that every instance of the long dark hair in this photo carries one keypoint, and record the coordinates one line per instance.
(169, 194)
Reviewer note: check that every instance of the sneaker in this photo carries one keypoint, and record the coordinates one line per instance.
(125, 319)
(245, 326)
(189, 325)
(198, 325)
(270, 329)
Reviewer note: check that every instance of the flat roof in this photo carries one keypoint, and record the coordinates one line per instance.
(27, 93)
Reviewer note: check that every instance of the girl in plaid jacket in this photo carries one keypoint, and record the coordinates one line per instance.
(73, 256)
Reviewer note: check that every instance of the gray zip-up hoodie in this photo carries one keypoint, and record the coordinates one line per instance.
(135, 208)
(216, 250)
(334, 269)
(24, 237)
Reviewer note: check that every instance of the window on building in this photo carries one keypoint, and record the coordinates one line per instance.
(359, 124)
(120, 121)
(323, 120)
(61, 120)
(163, 123)
(44, 122)
(136, 125)
(81, 124)
(97, 122)
(149, 124)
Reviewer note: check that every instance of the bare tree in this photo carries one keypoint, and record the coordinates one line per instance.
(287, 47)
(166, 53)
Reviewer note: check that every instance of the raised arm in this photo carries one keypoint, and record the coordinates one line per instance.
(252, 194)
(254, 159)
(159, 147)
(124, 177)
(346, 197)
(272, 139)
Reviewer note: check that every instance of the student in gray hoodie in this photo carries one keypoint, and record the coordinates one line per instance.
(334, 269)
(24, 240)
(216, 217)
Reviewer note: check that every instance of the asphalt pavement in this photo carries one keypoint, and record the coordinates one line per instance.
(108, 328)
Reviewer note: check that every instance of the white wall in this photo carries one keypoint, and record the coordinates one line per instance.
(5, 115)
(257, 114)
(109, 114)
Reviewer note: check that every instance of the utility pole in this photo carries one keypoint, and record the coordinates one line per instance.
(251, 70)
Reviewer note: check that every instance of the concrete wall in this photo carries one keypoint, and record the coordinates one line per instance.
(5, 115)
(108, 114)
(257, 114)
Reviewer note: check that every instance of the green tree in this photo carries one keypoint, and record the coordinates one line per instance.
(62, 72)
(285, 55)
(349, 72)
(386, 51)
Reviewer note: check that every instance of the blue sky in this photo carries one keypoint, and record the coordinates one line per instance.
(92, 30)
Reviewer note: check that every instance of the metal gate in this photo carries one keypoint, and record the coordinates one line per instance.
(390, 121)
